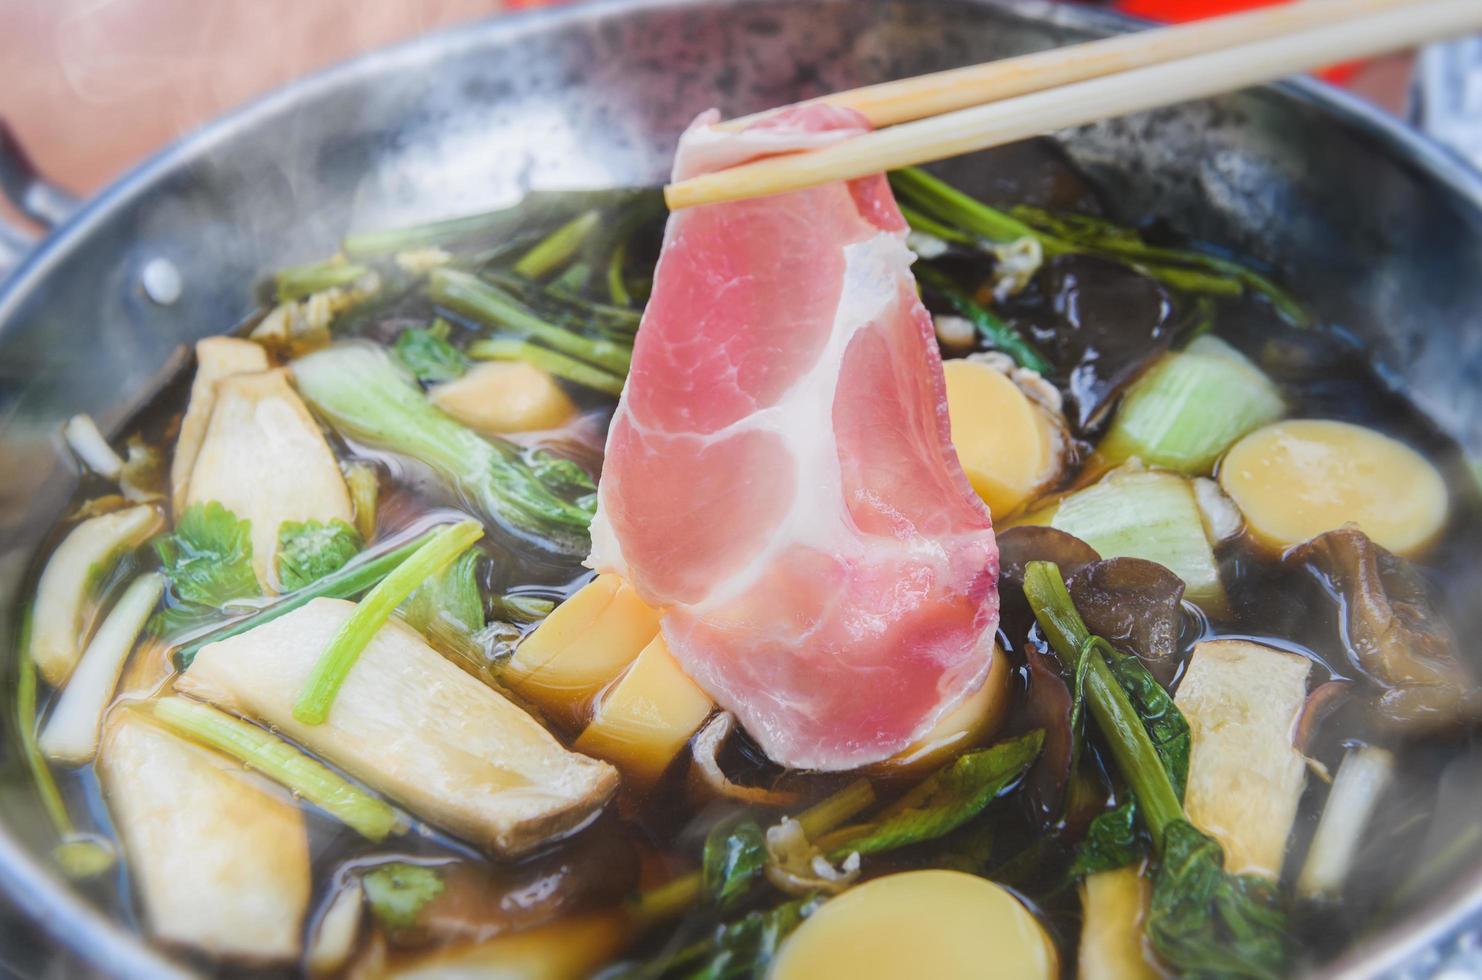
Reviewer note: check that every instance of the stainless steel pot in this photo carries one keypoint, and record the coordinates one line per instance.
(1384, 228)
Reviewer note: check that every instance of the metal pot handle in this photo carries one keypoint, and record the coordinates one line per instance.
(31, 194)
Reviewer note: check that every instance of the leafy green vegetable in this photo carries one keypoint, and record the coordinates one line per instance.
(363, 394)
(1206, 922)
(208, 562)
(559, 247)
(1165, 724)
(426, 352)
(448, 608)
(371, 613)
(398, 892)
(1113, 841)
(1203, 921)
(304, 280)
(520, 608)
(945, 800)
(994, 330)
(742, 948)
(735, 854)
(309, 550)
(346, 583)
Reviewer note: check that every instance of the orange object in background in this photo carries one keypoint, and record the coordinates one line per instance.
(1182, 11)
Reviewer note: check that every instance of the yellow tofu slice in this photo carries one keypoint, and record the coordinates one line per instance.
(1242, 701)
(644, 721)
(413, 726)
(221, 861)
(500, 397)
(264, 458)
(216, 358)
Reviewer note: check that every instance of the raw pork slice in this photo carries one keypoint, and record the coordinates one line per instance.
(780, 478)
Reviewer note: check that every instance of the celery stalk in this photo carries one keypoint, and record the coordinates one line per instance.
(559, 247)
(552, 362)
(1147, 514)
(488, 304)
(273, 757)
(301, 281)
(617, 288)
(371, 614)
(1190, 407)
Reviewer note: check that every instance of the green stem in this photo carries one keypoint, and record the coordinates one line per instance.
(276, 759)
(938, 199)
(371, 614)
(553, 362)
(301, 281)
(1131, 748)
(492, 306)
(995, 331)
(617, 288)
(345, 583)
(936, 229)
(835, 810)
(558, 248)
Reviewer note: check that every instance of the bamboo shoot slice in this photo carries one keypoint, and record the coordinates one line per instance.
(84, 556)
(216, 358)
(1297, 479)
(411, 725)
(569, 949)
(1242, 701)
(586, 642)
(497, 398)
(940, 924)
(646, 719)
(1113, 910)
(220, 861)
(264, 458)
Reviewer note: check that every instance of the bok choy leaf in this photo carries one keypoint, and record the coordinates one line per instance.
(310, 550)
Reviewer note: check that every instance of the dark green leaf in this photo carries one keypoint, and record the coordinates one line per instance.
(948, 798)
(745, 948)
(1207, 923)
(208, 560)
(559, 473)
(449, 605)
(1165, 724)
(520, 608)
(397, 892)
(1114, 840)
(425, 352)
(735, 854)
(309, 550)
(994, 330)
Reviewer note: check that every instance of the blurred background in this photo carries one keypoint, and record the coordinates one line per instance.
(94, 86)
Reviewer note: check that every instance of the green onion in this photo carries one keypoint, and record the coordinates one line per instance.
(1147, 514)
(296, 283)
(490, 305)
(552, 362)
(349, 581)
(558, 248)
(270, 755)
(995, 331)
(938, 199)
(1190, 407)
(371, 614)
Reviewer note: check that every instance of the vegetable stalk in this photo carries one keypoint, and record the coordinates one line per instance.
(275, 758)
(552, 362)
(559, 247)
(995, 331)
(304, 280)
(371, 614)
(488, 304)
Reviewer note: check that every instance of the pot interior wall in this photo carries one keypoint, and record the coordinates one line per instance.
(469, 120)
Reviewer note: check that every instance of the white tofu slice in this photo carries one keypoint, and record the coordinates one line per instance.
(265, 459)
(58, 629)
(216, 358)
(413, 726)
(220, 861)
(1242, 701)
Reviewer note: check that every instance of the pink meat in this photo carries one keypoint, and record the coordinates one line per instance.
(780, 477)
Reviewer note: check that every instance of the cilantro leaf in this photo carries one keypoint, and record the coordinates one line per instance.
(397, 892)
(425, 352)
(309, 550)
(208, 558)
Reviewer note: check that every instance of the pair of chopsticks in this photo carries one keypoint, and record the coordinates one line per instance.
(949, 113)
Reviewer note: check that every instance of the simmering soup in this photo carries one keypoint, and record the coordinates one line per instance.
(388, 641)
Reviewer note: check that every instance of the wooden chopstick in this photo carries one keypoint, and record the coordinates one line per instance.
(906, 99)
(1390, 26)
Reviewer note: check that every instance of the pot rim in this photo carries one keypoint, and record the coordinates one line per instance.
(48, 900)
